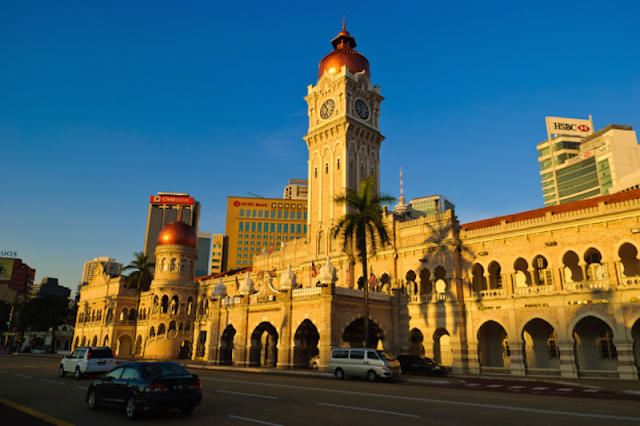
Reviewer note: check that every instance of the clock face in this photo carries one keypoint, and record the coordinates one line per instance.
(327, 109)
(362, 109)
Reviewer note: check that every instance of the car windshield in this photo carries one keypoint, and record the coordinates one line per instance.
(163, 370)
(386, 356)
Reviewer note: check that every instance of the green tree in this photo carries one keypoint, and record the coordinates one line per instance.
(43, 313)
(141, 273)
(361, 230)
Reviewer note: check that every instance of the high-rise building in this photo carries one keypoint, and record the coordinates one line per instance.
(204, 248)
(434, 204)
(111, 267)
(49, 287)
(217, 254)
(258, 224)
(296, 190)
(16, 275)
(164, 209)
(576, 163)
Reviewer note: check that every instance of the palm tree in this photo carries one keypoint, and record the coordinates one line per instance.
(362, 229)
(141, 273)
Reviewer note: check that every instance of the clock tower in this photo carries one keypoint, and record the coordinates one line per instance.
(343, 138)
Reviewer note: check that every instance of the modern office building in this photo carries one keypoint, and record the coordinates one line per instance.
(261, 224)
(578, 164)
(111, 267)
(434, 204)
(18, 276)
(49, 287)
(204, 248)
(163, 209)
(296, 190)
(217, 254)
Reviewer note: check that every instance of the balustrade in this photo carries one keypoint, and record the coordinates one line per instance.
(306, 292)
(541, 289)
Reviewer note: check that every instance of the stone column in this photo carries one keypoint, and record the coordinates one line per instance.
(285, 341)
(473, 362)
(583, 266)
(487, 278)
(558, 278)
(517, 358)
(627, 368)
(510, 284)
(612, 273)
(568, 367)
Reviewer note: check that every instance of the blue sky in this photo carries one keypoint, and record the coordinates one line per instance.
(103, 104)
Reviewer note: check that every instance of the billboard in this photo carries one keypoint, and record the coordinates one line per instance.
(170, 199)
(6, 269)
(569, 126)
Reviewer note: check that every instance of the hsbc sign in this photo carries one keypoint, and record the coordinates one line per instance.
(568, 126)
(168, 199)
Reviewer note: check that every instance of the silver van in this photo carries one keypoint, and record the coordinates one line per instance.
(369, 363)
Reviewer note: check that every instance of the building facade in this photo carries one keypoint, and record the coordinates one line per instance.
(109, 265)
(575, 167)
(217, 254)
(165, 208)
(255, 225)
(17, 276)
(204, 249)
(548, 292)
(296, 190)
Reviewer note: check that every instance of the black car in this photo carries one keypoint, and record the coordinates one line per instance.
(413, 364)
(144, 386)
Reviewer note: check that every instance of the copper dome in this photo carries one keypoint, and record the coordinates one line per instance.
(178, 233)
(344, 54)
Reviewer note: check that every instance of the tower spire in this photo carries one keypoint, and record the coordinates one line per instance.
(401, 186)
(344, 23)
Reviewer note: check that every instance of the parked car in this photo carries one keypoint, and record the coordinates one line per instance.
(143, 386)
(413, 364)
(369, 363)
(314, 362)
(87, 360)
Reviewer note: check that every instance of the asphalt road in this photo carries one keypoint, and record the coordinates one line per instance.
(232, 398)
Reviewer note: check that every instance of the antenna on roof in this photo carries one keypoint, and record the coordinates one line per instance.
(255, 195)
(401, 185)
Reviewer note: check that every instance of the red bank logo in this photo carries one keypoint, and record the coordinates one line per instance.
(574, 127)
(236, 203)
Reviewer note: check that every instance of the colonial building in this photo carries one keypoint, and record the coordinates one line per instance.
(553, 292)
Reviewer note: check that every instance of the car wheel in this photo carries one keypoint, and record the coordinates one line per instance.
(187, 410)
(339, 374)
(61, 371)
(131, 408)
(314, 365)
(91, 400)
(372, 376)
(78, 374)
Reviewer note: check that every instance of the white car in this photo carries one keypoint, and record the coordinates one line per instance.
(87, 360)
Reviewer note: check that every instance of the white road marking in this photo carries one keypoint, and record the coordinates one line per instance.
(516, 387)
(591, 390)
(249, 394)
(20, 375)
(4, 372)
(473, 384)
(564, 389)
(494, 386)
(82, 387)
(252, 420)
(540, 388)
(51, 381)
(368, 409)
(438, 401)
(483, 395)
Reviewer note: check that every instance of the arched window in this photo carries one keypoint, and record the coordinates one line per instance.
(595, 269)
(605, 343)
(321, 242)
(165, 304)
(315, 172)
(174, 305)
(542, 275)
(326, 168)
(338, 163)
(189, 306)
(152, 332)
(173, 265)
(161, 329)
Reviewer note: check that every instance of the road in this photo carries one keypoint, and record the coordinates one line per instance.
(234, 398)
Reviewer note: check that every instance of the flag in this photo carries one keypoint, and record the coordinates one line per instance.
(372, 279)
(271, 248)
(237, 284)
(314, 271)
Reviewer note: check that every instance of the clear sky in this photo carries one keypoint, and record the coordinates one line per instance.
(103, 104)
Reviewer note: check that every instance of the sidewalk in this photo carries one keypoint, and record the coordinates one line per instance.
(629, 387)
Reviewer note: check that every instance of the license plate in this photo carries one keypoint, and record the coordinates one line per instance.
(177, 388)
(102, 362)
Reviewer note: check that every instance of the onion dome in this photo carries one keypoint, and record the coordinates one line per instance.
(327, 272)
(246, 286)
(288, 280)
(344, 54)
(219, 291)
(178, 233)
